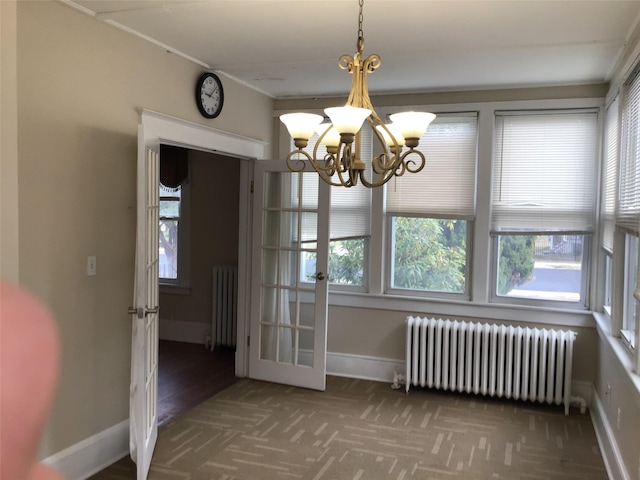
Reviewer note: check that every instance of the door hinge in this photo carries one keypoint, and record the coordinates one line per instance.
(251, 186)
(249, 341)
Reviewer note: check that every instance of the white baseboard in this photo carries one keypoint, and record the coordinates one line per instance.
(606, 439)
(92, 454)
(190, 332)
(363, 367)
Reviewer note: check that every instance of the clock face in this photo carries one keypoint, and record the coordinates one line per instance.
(209, 95)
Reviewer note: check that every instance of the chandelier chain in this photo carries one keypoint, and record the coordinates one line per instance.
(360, 19)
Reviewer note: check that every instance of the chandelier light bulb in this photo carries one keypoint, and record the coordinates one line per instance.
(412, 124)
(332, 137)
(347, 119)
(395, 133)
(301, 125)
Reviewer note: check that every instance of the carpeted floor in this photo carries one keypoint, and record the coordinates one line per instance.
(364, 430)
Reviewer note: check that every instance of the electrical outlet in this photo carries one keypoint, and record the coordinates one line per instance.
(91, 266)
(619, 417)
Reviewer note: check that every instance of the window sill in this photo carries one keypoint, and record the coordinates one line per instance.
(459, 308)
(167, 289)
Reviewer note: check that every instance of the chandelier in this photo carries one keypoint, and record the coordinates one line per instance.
(342, 165)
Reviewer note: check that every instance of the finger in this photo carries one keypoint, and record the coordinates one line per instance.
(43, 472)
(29, 365)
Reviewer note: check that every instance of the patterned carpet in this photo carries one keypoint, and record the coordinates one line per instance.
(364, 430)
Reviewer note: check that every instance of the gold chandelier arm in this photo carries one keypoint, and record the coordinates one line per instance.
(329, 166)
(388, 175)
(345, 62)
(299, 162)
(384, 163)
(371, 63)
(409, 164)
(332, 165)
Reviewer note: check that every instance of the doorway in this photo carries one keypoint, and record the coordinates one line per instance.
(156, 128)
(199, 225)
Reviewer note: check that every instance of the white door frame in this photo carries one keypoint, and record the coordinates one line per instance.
(160, 128)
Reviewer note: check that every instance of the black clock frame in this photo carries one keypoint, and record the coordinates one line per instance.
(198, 93)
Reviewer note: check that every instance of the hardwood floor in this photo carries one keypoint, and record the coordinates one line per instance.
(188, 374)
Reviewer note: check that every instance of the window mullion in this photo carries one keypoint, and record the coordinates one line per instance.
(481, 245)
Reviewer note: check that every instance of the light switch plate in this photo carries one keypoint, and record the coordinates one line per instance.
(91, 266)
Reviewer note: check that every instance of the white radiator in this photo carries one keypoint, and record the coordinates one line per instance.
(498, 360)
(225, 306)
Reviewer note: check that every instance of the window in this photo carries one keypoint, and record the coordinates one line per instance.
(169, 224)
(173, 267)
(543, 204)
(430, 214)
(630, 311)
(608, 203)
(349, 229)
(628, 210)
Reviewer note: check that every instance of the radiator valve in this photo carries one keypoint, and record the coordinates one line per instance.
(398, 380)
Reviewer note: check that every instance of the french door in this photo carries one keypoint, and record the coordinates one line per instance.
(143, 419)
(288, 339)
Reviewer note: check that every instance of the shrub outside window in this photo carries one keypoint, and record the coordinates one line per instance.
(429, 254)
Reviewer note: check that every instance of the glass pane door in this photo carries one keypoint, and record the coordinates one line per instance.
(289, 280)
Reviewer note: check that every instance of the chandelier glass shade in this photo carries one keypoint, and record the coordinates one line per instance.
(342, 165)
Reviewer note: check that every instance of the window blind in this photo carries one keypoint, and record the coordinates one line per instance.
(544, 171)
(350, 207)
(628, 212)
(609, 183)
(445, 188)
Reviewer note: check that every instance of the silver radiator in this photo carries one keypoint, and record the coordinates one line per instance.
(497, 360)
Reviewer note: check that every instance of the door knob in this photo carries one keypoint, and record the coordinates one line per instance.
(141, 312)
(320, 276)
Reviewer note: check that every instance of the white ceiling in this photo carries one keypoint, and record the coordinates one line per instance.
(290, 48)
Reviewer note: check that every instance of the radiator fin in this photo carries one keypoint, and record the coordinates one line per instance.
(224, 306)
(497, 360)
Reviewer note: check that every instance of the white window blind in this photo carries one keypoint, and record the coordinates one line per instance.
(610, 175)
(350, 207)
(544, 171)
(628, 213)
(445, 188)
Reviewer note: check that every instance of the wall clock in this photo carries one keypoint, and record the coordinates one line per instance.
(209, 95)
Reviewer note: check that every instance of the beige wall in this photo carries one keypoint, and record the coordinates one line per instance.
(621, 395)
(213, 234)
(382, 333)
(8, 144)
(80, 85)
